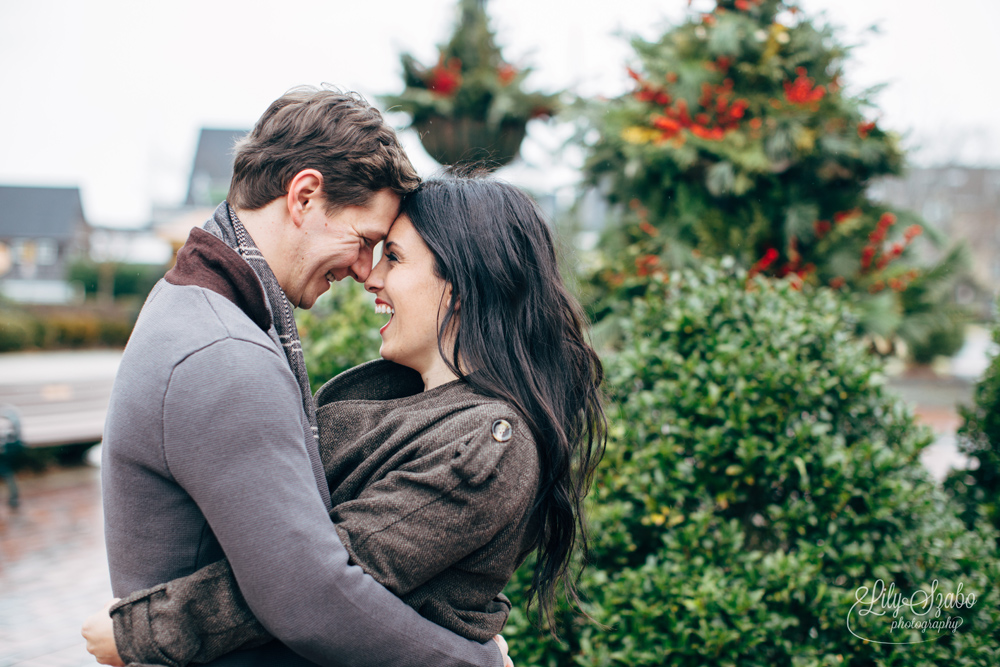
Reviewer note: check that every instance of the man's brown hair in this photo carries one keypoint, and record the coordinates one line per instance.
(339, 134)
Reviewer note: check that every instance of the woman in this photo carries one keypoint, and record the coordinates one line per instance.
(468, 447)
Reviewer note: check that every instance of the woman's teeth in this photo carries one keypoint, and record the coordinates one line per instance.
(384, 308)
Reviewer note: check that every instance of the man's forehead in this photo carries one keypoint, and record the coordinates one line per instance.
(383, 211)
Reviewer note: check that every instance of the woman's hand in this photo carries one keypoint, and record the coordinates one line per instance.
(502, 643)
(99, 631)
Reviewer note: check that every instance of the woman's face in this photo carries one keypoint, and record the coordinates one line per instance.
(405, 285)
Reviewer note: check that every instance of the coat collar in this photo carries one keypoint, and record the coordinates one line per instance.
(376, 380)
(206, 261)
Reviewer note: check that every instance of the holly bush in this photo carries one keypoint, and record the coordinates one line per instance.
(757, 475)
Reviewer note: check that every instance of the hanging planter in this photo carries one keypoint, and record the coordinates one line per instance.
(470, 106)
(454, 140)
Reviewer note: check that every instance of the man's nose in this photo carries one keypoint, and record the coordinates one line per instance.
(360, 272)
(361, 269)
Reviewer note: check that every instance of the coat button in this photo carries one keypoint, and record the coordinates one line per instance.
(502, 430)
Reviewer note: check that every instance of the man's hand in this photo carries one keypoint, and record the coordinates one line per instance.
(502, 643)
(99, 631)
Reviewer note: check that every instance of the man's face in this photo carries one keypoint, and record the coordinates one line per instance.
(334, 246)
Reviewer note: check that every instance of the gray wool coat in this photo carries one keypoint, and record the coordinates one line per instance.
(432, 494)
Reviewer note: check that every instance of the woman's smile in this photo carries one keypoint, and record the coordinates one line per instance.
(382, 307)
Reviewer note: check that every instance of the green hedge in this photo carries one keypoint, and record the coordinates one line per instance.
(757, 474)
(63, 328)
(129, 280)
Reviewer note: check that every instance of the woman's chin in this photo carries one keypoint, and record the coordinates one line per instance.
(389, 356)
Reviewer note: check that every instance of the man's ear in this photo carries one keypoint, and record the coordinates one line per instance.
(304, 190)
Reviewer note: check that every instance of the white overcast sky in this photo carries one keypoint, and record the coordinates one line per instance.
(110, 94)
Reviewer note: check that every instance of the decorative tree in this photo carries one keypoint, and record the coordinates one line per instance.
(471, 104)
(739, 140)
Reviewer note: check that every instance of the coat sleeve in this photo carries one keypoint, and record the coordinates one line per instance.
(196, 618)
(443, 505)
(230, 441)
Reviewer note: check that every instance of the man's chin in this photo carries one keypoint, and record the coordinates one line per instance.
(307, 301)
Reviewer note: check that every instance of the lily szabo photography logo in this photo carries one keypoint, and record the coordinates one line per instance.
(883, 615)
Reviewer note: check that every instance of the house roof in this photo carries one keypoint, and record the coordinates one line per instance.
(213, 166)
(40, 212)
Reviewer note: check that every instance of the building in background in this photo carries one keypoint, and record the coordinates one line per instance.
(207, 188)
(42, 230)
(213, 167)
(964, 204)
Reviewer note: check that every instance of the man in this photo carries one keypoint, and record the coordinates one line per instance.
(210, 447)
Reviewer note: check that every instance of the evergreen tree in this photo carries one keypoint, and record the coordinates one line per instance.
(740, 140)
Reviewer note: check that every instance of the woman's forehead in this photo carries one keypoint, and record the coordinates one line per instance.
(401, 227)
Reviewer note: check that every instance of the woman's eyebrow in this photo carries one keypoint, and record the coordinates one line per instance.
(389, 244)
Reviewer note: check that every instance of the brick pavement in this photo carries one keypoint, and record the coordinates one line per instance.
(53, 570)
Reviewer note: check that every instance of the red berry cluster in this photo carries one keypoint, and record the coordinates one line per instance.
(794, 265)
(646, 91)
(716, 115)
(897, 284)
(445, 79)
(803, 90)
(506, 73)
(643, 213)
(761, 264)
(875, 253)
(646, 264)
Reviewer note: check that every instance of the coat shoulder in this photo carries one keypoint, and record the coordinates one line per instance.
(498, 439)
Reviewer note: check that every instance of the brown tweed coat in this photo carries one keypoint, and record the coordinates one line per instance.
(431, 494)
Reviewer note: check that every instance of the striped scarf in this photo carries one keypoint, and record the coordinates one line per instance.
(228, 227)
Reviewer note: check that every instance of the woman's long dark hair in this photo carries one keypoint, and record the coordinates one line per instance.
(522, 333)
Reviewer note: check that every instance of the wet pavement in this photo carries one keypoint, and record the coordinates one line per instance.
(53, 570)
